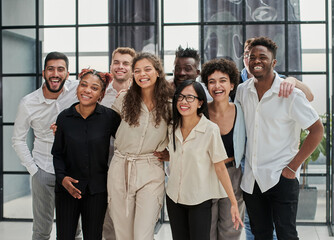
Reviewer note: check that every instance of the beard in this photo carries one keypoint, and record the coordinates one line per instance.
(54, 90)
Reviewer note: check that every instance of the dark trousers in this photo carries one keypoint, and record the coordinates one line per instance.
(277, 205)
(189, 222)
(92, 209)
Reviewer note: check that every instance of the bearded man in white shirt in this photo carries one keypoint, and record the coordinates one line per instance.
(38, 110)
(273, 124)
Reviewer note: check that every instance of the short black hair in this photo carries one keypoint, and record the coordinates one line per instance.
(188, 53)
(56, 56)
(266, 42)
(224, 66)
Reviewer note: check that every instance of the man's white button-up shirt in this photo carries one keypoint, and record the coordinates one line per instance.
(273, 127)
(38, 113)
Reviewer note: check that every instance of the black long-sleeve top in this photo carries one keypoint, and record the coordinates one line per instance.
(81, 148)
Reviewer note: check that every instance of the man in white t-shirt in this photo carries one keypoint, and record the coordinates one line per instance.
(273, 124)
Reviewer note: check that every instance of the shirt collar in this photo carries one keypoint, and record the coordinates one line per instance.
(275, 87)
(200, 127)
(41, 97)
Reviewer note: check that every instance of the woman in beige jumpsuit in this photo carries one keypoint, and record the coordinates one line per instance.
(136, 176)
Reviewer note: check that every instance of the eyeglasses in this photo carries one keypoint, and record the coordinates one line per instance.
(189, 98)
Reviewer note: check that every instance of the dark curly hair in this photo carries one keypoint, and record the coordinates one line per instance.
(188, 53)
(162, 94)
(224, 66)
(266, 42)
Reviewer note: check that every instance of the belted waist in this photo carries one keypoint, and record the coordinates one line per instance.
(130, 163)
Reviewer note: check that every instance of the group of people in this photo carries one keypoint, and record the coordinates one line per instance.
(238, 151)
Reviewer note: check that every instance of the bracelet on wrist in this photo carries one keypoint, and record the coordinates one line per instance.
(291, 169)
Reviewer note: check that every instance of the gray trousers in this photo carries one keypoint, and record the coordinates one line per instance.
(108, 228)
(43, 205)
(221, 224)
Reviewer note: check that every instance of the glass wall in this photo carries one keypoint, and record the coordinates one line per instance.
(88, 31)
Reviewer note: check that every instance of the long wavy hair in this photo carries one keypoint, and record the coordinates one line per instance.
(163, 92)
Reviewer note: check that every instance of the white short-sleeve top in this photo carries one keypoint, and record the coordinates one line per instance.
(193, 178)
(142, 139)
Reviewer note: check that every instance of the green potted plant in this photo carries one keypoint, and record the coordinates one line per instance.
(308, 195)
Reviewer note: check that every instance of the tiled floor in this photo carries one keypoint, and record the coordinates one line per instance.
(22, 231)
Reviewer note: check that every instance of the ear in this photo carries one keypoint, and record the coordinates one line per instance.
(198, 72)
(274, 63)
(68, 74)
(43, 74)
(232, 86)
(200, 103)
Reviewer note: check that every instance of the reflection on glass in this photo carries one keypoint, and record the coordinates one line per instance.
(223, 10)
(259, 10)
(11, 160)
(99, 63)
(275, 33)
(60, 12)
(14, 88)
(93, 39)
(19, 51)
(223, 41)
(12, 15)
(87, 7)
(137, 11)
(174, 11)
(58, 39)
(17, 196)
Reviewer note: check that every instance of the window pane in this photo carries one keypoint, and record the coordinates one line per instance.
(275, 33)
(19, 51)
(11, 160)
(18, 12)
(306, 10)
(17, 196)
(60, 12)
(91, 12)
(137, 11)
(317, 83)
(141, 38)
(224, 10)
(99, 63)
(14, 88)
(174, 11)
(58, 39)
(264, 10)
(187, 36)
(93, 39)
(223, 41)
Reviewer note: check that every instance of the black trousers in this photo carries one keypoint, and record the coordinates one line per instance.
(189, 222)
(277, 205)
(92, 209)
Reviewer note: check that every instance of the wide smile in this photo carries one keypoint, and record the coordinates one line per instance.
(184, 108)
(144, 80)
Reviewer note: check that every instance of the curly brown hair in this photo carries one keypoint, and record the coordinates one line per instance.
(224, 66)
(162, 94)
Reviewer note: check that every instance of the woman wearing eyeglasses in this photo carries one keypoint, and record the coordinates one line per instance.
(197, 170)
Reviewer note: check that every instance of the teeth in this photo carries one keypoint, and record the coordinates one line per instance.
(83, 96)
(143, 80)
(183, 107)
(257, 68)
(217, 92)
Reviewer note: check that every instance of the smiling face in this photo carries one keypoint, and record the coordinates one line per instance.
(188, 108)
(55, 74)
(261, 62)
(219, 85)
(145, 74)
(89, 90)
(121, 67)
(185, 69)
